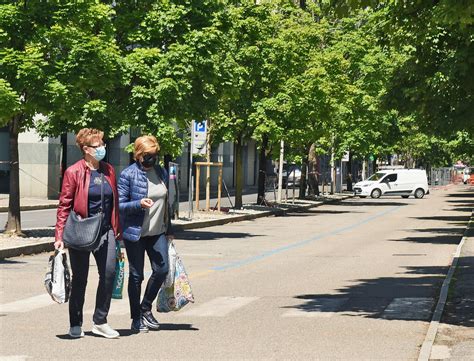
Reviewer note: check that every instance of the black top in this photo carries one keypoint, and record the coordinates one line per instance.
(94, 197)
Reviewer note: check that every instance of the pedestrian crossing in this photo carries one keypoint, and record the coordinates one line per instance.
(219, 307)
(408, 308)
(27, 304)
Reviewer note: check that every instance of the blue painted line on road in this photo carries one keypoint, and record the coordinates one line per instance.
(275, 251)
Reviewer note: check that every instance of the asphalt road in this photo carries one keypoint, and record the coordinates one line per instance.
(355, 280)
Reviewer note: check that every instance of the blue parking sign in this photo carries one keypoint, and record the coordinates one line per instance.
(200, 127)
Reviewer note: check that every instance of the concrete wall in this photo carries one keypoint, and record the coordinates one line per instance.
(39, 165)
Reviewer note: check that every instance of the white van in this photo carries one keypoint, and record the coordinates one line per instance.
(397, 182)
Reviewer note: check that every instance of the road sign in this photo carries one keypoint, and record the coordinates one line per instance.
(345, 157)
(199, 137)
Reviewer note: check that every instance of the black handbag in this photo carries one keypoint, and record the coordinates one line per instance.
(84, 234)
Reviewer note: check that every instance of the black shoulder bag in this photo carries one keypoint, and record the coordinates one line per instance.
(84, 234)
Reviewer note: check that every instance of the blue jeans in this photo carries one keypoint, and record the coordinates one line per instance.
(157, 249)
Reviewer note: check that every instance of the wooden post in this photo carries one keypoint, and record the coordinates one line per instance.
(208, 187)
(219, 188)
(208, 168)
(198, 173)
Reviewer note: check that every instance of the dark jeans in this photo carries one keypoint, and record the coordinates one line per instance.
(105, 258)
(157, 249)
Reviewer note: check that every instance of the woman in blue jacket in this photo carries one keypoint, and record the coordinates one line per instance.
(146, 227)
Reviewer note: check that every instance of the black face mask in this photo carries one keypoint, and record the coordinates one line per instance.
(149, 160)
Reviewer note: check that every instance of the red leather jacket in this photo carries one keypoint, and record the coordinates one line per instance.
(75, 194)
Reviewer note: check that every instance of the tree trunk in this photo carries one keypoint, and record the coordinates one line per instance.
(350, 176)
(262, 164)
(304, 172)
(313, 172)
(238, 173)
(63, 158)
(13, 226)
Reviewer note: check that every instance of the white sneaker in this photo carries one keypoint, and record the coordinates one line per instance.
(76, 332)
(104, 330)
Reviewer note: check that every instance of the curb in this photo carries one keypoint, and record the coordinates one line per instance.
(426, 347)
(31, 208)
(46, 246)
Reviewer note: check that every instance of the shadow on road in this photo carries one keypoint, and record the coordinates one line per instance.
(8, 261)
(442, 239)
(371, 297)
(177, 327)
(463, 202)
(461, 209)
(312, 213)
(464, 219)
(191, 235)
(459, 231)
(468, 193)
(375, 203)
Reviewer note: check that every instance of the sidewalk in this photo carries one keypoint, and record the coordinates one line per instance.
(455, 337)
(28, 204)
(41, 239)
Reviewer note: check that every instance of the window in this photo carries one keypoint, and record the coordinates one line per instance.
(391, 178)
(377, 176)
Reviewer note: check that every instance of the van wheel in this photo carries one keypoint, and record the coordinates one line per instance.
(405, 196)
(376, 193)
(419, 193)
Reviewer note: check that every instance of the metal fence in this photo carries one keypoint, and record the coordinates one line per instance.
(440, 176)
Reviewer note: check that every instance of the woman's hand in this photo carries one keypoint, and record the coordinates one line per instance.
(58, 244)
(170, 237)
(146, 202)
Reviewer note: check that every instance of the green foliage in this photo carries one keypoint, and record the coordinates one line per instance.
(392, 77)
(9, 102)
(62, 61)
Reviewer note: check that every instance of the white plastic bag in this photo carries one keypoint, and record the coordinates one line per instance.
(57, 280)
(172, 265)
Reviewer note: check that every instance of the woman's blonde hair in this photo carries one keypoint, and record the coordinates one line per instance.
(88, 135)
(145, 144)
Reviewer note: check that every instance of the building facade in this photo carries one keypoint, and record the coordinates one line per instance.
(41, 160)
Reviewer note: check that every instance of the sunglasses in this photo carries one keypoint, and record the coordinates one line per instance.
(97, 146)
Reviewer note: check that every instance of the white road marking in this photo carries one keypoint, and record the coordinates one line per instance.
(27, 304)
(218, 307)
(319, 307)
(117, 307)
(14, 358)
(410, 308)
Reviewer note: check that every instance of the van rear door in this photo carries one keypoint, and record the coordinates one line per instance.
(406, 182)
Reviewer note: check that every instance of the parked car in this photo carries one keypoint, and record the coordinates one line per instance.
(291, 174)
(402, 182)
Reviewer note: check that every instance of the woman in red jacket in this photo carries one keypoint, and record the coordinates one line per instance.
(81, 191)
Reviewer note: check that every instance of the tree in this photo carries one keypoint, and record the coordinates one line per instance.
(60, 60)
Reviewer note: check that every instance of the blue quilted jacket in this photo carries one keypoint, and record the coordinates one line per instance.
(132, 188)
